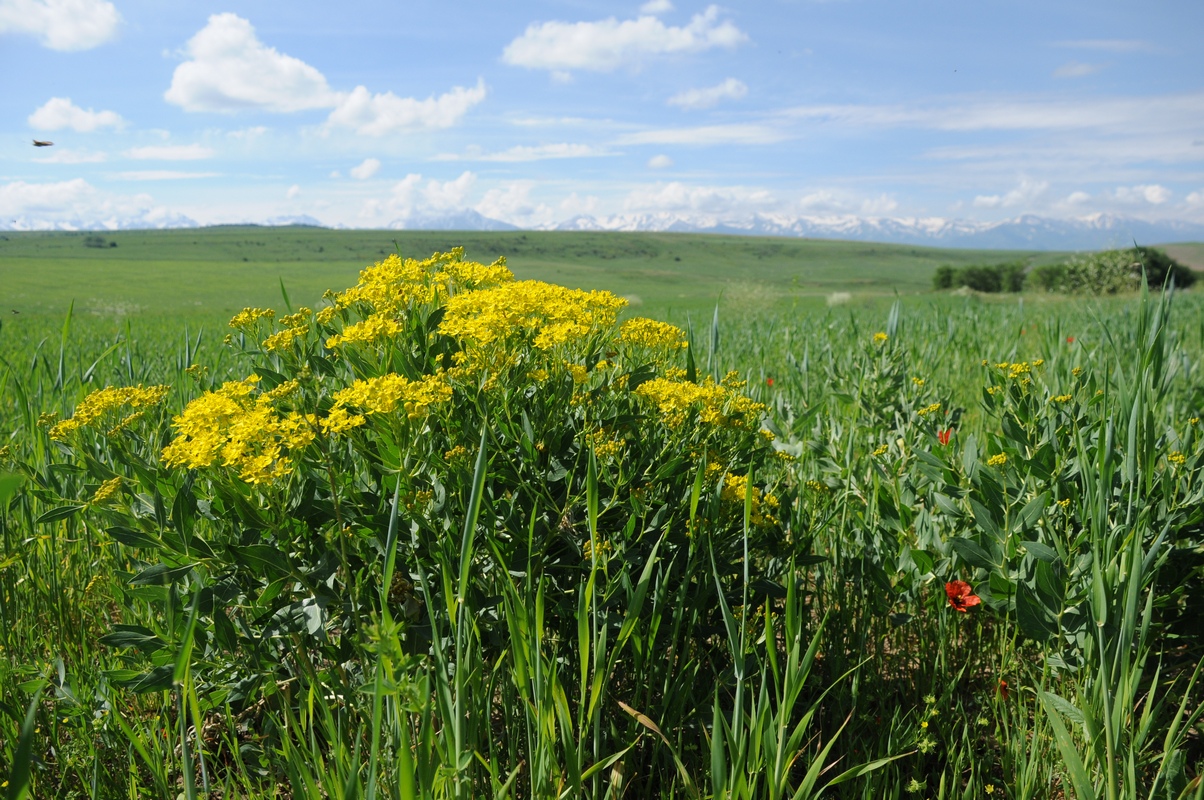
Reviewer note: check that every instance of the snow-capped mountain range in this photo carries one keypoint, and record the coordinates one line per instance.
(1027, 232)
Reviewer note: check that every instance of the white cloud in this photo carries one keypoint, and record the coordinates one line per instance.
(366, 170)
(336, 174)
(58, 113)
(656, 7)
(1196, 198)
(162, 175)
(177, 152)
(737, 133)
(679, 197)
(229, 69)
(1149, 193)
(520, 153)
(1024, 194)
(293, 192)
(1076, 69)
(72, 157)
(877, 206)
(77, 204)
(512, 203)
(1077, 198)
(574, 205)
(61, 24)
(380, 114)
(410, 197)
(661, 161)
(609, 44)
(449, 194)
(692, 99)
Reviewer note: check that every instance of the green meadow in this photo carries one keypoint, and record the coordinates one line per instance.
(222, 269)
(444, 535)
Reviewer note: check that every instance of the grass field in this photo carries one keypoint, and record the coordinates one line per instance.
(938, 546)
(223, 269)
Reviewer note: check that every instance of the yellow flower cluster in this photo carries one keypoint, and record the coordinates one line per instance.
(394, 284)
(1018, 369)
(735, 488)
(1177, 458)
(292, 327)
(997, 460)
(247, 318)
(717, 404)
(552, 315)
(99, 403)
(1061, 398)
(106, 490)
(605, 446)
(929, 409)
(384, 394)
(643, 332)
(370, 330)
(233, 427)
(880, 450)
(880, 337)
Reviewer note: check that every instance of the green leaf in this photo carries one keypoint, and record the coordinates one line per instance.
(134, 538)
(160, 575)
(972, 553)
(156, 680)
(133, 636)
(1070, 756)
(1036, 619)
(1041, 551)
(1031, 512)
(62, 512)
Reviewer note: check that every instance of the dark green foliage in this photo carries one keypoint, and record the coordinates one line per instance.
(990, 278)
(1160, 267)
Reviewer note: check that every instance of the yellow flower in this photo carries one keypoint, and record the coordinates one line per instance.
(641, 332)
(106, 490)
(101, 402)
(881, 450)
(549, 315)
(340, 421)
(918, 381)
(716, 404)
(1193, 420)
(929, 409)
(1062, 398)
(880, 337)
(384, 394)
(1177, 458)
(997, 460)
(247, 318)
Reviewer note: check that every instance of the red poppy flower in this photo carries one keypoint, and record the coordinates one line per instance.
(943, 436)
(1003, 689)
(769, 381)
(1069, 340)
(961, 597)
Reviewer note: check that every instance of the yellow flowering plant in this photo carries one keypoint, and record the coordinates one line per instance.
(291, 500)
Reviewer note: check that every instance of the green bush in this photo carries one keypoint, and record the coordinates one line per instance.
(993, 278)
(1111, 271)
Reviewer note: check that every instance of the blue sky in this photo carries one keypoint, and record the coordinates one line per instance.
(367, 113)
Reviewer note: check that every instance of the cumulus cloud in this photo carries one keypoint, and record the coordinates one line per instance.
(1150, 193)
(877, 206)
(293, 192)
(1196, 198)
(61, 24)
(693, 99)
(365, 170)
(608, 44)
(380, 114)
(229, 69)
(177, 152)
(512, 203)
(1025, 193)
(1077, 69)
(413, 196)
(656, 7)
(661, 161)
(1077, 198)
(58, 113)
(77, 204)
(520, 153)
(679, 197)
